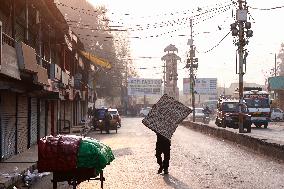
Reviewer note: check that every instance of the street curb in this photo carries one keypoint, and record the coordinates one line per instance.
(11, 181)
(267, 148)
(8, 183)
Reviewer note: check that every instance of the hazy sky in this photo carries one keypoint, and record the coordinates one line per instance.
(220, 62)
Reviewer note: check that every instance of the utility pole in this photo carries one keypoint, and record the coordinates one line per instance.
(241, 72)
(275, 65)
(164, 77)
(192, 64)
(192, 52)
(242, 24)
(126, 87)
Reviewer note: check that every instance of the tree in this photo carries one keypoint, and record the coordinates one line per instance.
(92, 26)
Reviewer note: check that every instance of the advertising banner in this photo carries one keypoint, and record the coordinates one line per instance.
(142, 86)
(206, 86)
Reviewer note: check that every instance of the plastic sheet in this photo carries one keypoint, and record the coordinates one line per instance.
(94, 154)
(58, 153)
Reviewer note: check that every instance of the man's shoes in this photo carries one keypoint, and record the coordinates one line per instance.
(166, 171)
(160, 170)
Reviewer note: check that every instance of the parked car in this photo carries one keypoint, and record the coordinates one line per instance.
(115, 116)
(199, 116)
(277, 114)
(144, 111)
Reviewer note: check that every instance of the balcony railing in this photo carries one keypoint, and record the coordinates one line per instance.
(8, 40)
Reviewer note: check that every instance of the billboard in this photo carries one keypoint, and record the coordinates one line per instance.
(206, 86)
(142, 86)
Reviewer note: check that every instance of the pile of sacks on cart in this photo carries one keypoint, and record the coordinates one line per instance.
(68, 152)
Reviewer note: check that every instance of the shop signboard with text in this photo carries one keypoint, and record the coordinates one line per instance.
(142, 86)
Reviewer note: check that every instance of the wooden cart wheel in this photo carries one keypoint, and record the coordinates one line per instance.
(74, 184)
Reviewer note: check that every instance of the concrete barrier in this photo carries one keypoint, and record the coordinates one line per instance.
(271, 149)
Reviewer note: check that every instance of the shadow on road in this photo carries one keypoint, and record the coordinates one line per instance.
(261, 129)
(122, 152)
(174, 182)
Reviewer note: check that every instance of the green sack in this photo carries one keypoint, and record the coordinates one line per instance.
(94, 154)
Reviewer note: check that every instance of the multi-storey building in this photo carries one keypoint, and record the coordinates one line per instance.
(43, 76)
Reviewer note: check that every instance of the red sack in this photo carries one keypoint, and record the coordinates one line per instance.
(58, 153)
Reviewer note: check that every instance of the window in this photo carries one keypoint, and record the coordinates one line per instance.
(257, 103)
(230, 107)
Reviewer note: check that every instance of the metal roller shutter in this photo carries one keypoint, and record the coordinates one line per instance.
(42, 118)
(33, 126)
(22, 123)
(8, 122)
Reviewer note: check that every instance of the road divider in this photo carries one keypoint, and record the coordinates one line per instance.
(259, 145)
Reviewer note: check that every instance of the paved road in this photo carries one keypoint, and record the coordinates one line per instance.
(197, 161)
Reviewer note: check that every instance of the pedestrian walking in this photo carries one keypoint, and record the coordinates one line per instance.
(95, 119)
(107, 119)
(163, 146)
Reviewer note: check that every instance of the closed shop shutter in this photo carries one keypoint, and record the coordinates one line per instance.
(68, 111)
(22, 123)
(33, 126)
(42, 118)
(8, 121)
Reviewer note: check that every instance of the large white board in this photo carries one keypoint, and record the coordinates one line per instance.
(142, 86)
(207, 86)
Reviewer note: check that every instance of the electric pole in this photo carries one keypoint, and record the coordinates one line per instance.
(126, 85)
(275, 68)
(240, 32)
(192, 64)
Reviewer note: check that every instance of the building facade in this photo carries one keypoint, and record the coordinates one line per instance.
(43, 77)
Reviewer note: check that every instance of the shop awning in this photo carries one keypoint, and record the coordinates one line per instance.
(95, 60)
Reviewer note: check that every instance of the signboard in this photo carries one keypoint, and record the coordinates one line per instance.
(41, 77)
(9, 64)
(256, 95)
(206, 86)
(26, 58)
(140, 86)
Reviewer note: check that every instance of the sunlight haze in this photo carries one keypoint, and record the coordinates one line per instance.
(220, 62)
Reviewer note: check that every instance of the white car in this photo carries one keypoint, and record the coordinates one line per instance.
(199, 115)
(144, 111)
(277, 114)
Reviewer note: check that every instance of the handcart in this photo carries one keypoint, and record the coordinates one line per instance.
(73, 159)
(76, 176)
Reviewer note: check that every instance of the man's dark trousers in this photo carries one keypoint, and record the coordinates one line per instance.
(163, 146)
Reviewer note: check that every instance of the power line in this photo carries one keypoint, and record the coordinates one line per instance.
(88, 11)
(155, 25)
(200, 20)
(218, 43)
(267, 9)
